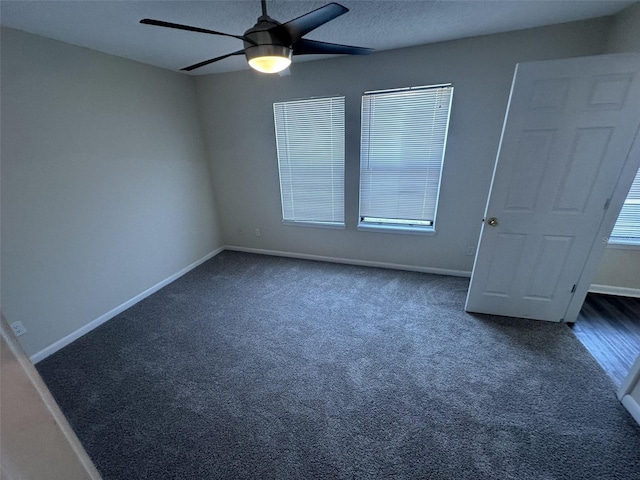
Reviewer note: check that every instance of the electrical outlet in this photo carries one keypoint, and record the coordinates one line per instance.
(471, 250)
(258, 232)
(18, 328)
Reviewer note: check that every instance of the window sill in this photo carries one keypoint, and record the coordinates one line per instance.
(405, 230)
(335, 226)
(622, 245)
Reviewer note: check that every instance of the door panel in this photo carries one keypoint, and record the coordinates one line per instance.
(528, 168)
(509, 248)
(588, 152)
(567, 134)
(547, 272)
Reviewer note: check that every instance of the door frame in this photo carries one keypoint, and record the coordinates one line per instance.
(625, 392)
(609, 219)
(48, 445)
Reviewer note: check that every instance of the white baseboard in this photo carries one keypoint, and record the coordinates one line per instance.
(632, 406)
(612, 290)
(349, 261)
(63, 342)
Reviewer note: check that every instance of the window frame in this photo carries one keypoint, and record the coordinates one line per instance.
(317, 223)
(620, 242)
(403, 226)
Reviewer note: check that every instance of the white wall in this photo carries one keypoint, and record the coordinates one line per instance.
(238, 124)
(106, 189)
(620, 267)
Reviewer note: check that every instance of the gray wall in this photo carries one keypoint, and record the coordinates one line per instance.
(620, 266)
(106, 188)
(625, 34)
(238, 124)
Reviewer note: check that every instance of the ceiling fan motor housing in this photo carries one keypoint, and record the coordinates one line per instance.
(263, 41)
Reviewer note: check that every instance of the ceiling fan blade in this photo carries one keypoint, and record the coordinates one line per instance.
(313, 47)
(160, 23)
(207, 62)
(298, 27)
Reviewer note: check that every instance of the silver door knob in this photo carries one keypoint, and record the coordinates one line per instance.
(493, 221)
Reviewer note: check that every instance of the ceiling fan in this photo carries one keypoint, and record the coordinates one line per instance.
(269, 44)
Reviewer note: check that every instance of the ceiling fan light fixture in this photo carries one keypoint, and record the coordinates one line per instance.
(268, 58)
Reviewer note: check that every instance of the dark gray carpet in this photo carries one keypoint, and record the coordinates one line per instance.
(263, 367)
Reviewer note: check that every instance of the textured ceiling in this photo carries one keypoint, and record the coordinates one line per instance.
(112, 26)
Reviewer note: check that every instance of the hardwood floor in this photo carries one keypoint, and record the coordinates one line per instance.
(609, 327)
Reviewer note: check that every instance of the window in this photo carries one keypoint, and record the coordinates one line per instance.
(310, 142)
(627, 227)
(403, 137)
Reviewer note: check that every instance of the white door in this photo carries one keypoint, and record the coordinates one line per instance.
(567, 134)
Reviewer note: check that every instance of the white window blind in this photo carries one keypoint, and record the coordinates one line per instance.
(627, 227)
(404, 134)
(310, 142)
